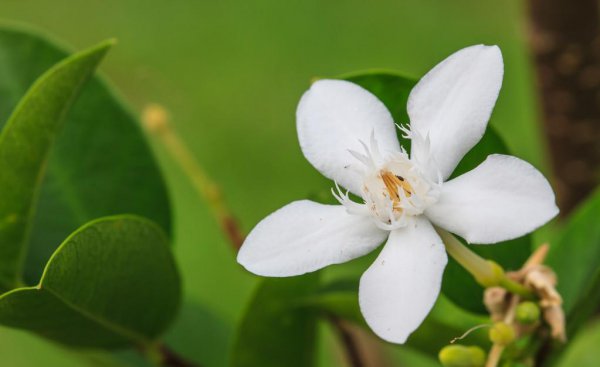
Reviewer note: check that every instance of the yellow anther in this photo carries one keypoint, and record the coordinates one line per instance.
(393, 182)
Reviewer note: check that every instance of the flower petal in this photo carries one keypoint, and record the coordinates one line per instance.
(305, 236)
(452, 105)
(400, 288)
(333, 117)
(501, 199)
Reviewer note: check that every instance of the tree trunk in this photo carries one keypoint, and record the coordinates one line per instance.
(566, 45)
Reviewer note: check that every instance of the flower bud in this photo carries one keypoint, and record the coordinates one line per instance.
(527, 313)
(502, 334)
(462, 356)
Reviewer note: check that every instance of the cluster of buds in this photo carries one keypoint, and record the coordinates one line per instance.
(515, 315)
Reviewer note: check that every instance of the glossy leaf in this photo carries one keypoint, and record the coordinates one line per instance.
(575, 257)
(111, 283)
(393, 90)
(276, 330)
(25, 143)
(100, 164)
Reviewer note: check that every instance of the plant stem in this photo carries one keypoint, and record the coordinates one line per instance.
(496, 351)
(480, 268)
(516, 288)
(487, 273)
(161, 355)
(494, 355)
(348, 341)
(157, 121)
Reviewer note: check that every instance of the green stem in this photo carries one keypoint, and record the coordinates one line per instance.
(516, 288)
(486, 273)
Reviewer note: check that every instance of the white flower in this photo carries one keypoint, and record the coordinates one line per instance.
(350, 137)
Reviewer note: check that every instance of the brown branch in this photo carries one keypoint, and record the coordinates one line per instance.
(171, 359)
(156, 119)
(351, 346)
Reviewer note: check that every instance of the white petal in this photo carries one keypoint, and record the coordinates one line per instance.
(399, 289)
(305, 236)
(501, 199)
(333, 117)
(452, 105)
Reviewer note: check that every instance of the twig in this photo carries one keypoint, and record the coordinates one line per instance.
(497, 349)
(347, 339)
(161, 355)
(157, 121)
(172, 359)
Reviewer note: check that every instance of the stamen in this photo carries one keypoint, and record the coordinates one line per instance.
(393, 183)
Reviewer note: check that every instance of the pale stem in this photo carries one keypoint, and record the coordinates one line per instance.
(156, 120)
(485, 272)
(473, 263)
(496, 351)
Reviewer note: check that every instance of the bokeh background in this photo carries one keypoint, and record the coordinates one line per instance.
(231, 74)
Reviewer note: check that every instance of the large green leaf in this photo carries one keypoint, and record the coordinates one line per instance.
(100, 164)
(276, 330)
(25, 143)
(16, 346)
(110, 284)
(583, 351)
(445, 321)
(393, 90)
(575, 257)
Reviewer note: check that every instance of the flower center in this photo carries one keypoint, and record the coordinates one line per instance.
(394, 183)
(394, 190)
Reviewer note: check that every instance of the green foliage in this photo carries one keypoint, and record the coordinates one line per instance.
(583, 351)
(24, 146)
(393, 90)
(276, 329)
(575, 257)
(111, 283)
(100, 163)
(16, 348)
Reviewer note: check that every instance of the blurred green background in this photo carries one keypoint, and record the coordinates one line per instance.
(231, 74)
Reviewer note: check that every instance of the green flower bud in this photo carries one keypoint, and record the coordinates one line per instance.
(462, 356)
(502, 333)
(527, 313)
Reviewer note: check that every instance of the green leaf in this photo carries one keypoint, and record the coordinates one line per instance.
(583, 351)
(100, 164)
(393, 90)
(276, 330)
(575, 257)
(25, 143)
(16, 346)
(111, 283)
(445, 321)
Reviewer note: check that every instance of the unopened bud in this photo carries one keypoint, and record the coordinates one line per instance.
(156, 118)
(527, 313)
(502, 334)
(462, 356)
